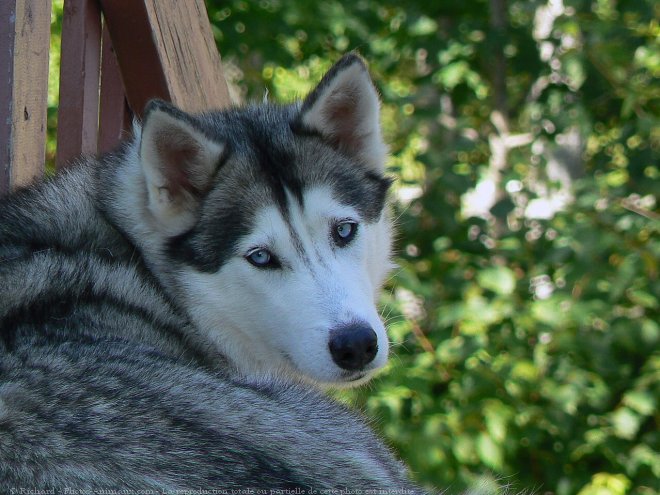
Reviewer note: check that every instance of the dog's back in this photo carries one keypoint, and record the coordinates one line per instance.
(103, 414)
(67, 274)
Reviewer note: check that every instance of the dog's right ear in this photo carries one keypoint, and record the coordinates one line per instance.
(179, 162)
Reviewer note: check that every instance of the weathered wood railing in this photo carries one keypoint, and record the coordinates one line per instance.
(115, 56)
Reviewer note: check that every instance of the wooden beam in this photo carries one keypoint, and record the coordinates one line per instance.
(78, 113)
(114, 116)
(166, 49)
(24, 44)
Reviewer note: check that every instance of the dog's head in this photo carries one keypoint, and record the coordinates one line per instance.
(268, 225)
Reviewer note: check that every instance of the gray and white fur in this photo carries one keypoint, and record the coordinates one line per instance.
(165, 307)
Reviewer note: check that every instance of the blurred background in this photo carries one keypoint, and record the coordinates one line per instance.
(525, 139)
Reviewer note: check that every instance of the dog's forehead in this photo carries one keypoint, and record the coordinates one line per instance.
(261, 140)
(266, 159)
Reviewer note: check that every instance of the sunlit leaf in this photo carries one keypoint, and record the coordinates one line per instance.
(499, 279)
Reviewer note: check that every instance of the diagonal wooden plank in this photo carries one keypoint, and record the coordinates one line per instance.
(166, 49)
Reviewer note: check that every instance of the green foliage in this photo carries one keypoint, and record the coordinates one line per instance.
(53, 82)
(545, 365)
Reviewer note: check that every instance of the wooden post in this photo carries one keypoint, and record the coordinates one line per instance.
(25, 38)
(114, 115)
(166, 49)
(78, 113)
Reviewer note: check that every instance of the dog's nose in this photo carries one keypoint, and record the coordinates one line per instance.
(353, 346)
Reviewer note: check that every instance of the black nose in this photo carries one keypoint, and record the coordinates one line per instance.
(353, 346)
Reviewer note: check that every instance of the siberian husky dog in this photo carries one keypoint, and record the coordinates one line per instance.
(164, 308)
(265, 227)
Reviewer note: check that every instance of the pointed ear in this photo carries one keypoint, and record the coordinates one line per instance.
(178, 162)
(344, 108)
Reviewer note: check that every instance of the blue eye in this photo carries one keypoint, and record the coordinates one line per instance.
(261, 258)
(343, 232)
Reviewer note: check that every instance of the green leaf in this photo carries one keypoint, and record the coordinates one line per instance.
(606, 484)
(489, 451)
(464, 448)
(499, 279)
(575, 71)
(423, 26)
(453, 74)
(626, 423)
(642, 402)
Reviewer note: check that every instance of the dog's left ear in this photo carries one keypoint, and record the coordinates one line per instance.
(344, 108)
(179, 162)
